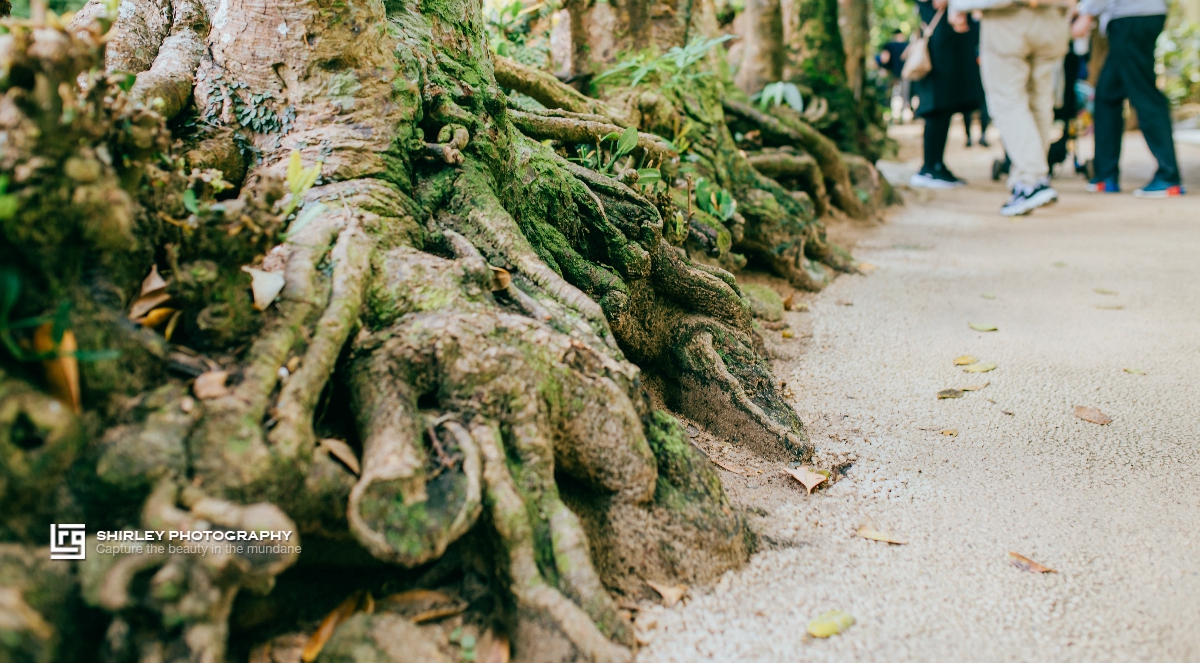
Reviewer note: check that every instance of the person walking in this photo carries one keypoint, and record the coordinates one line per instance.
(1132, 27)
(1021, 45)
(951, 86)
(891, 58)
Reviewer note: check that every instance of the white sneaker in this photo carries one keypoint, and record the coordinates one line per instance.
(1025, 199)
(927, 181)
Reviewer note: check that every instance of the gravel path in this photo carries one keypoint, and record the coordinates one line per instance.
(1114, 509)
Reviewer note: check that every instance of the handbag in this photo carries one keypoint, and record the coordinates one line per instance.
(917, 63)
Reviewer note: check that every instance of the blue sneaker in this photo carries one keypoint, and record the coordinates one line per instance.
(1104, 186)
(1160, 189)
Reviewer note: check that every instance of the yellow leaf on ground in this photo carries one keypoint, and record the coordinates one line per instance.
(671, 594)
(1025, 564)
(808, 478)
(146, 303)
(988, 295)
(729, 467)
(62, 371)
(501, 279)
(964, 360)
(982, 326)
(266, 286)
(876, 535)
(976, 387)
(787, 333)
(422, 605)
(211, 385)
(1092, 414)
(345, 610)
(950, 432)
(1104, 291)
(982, 367)
(1134, 371)
(157, 317)
(153, 282)
(830, 623)
(1113, 307)
(866, 268)
(950, 393)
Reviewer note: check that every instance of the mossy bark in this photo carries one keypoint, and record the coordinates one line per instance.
(468, 313)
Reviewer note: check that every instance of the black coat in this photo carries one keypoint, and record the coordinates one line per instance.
(953, 85)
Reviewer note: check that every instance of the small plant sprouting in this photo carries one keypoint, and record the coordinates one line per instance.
(299, 181)
(715, 200)
(670, 68)
(778, 93)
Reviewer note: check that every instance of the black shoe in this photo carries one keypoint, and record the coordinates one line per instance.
(968, 140)
(1025, 199)
(983, 142)
(938, 177)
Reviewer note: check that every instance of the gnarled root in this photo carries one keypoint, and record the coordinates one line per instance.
(191, 591)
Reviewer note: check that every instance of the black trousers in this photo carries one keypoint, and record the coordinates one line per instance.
(937, 130)
(1129, 74)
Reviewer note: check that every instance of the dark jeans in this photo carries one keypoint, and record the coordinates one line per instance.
(1129, 73)
(937, 129)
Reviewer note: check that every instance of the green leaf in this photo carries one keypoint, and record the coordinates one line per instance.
(611, 136)
(10, 290)
(649, 176)
(306, 216)
(189, 201)
(791, 94)
(628, 141)
(982, 326)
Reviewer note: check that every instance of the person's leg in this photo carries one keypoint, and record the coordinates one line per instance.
(984, 121)
(966, 115)
(937, 129)
(1109, 124)
(1134, 39)
(1005, 68)
(1049, 37)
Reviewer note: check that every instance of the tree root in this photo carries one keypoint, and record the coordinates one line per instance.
(801, 169)
(791, 131)
(576, 130)
(548, 90)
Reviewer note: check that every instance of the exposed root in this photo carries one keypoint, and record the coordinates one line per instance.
(547, 89)
(576, 130)
(782, 131)
(800, 169)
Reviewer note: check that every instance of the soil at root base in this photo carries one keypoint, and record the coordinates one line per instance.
(1114, 509)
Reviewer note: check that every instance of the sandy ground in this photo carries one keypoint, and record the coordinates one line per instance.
(1114, 510)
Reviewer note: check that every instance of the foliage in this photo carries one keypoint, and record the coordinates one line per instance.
(10, 292)
(1179, 56)
(779, 92)
(20, 8)
(299, 181)
(518, 32)
(675, 67)
(887, 16)
(715, 200)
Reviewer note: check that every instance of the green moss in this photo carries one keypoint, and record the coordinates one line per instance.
(766, 303)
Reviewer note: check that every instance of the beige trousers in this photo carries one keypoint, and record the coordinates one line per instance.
(1020, 47)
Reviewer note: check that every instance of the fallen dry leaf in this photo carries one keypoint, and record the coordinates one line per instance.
(1113, 307)
(787, 333)
(153, 281)
(211, 385)
(808, 478)
(845, 302)
(976, 387)
(342, 452)
(501, 279)
(988, 295)
(981, 367)
(671, 594)
(875, 535)
(266, 286)
(1092, 414)
(950, 432)
(950, 393)
(729, 467)
(422, 605)
(493, 648)
(981, 326)
(156, 317)
(789, 301)
(1134, 371)
(1025, 564)
(1104, 291)
(62, 371)
(146, 303)
(964, 360)
(866, 268)
(830, 623)
(171, 324)
(357, 601)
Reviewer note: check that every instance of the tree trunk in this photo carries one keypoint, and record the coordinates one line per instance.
(762, 55)
(854, 21)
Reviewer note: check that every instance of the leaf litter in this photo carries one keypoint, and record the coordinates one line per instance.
(1134, 371)
(980, 367)
(982, 326)
(1092, 414)
(807, 477)
(830, 623)
(965, 360)
(1025, 564)
(671, 594)
(875, 535)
